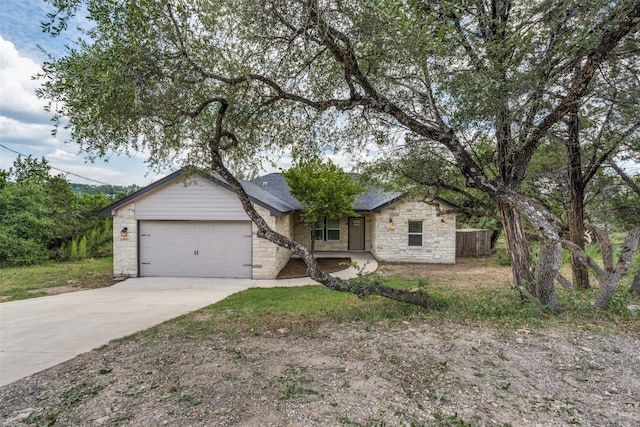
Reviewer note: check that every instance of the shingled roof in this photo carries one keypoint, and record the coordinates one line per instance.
(271, 192)
(372, 200)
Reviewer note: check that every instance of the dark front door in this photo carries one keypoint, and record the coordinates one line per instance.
(356, 234)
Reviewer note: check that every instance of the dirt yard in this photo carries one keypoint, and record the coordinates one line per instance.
(297, 268)
(355, 374)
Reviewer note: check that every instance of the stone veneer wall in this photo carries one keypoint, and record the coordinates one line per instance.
(125, 248)
(269, 258)
(391, 242)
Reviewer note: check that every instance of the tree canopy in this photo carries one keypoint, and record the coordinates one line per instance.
(41, 218)
(228, 83)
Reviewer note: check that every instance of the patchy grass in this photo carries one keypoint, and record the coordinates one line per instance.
(473, 292)
(303, 310)
(29, 282)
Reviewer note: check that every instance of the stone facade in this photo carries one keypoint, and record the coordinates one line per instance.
(386, 233)
(125, 245)
(269, 258)
(390, 234)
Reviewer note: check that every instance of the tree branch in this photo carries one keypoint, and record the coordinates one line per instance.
(584, 259)
(629, 18)
(359, 288)
(632, 185)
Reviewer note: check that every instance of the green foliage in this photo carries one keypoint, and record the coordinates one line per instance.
(40, 217)
(97, 242)
(618, 205)
(323, 189)
(502, 257)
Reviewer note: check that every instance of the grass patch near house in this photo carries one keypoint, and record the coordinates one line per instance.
(18, 283)
(303, 311)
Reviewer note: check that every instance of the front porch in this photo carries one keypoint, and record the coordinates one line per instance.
(364, 263)
(336, 235)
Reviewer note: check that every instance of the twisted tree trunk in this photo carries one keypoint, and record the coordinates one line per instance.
(360, 288)
(517, 248)
(612, 278)
(542, 284)
(635, 286)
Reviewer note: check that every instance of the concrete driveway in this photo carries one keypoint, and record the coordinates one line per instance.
(39, 333)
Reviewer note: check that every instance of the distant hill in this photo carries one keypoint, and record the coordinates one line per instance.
(113, 192)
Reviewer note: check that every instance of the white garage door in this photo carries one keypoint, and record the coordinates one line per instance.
(195, 248)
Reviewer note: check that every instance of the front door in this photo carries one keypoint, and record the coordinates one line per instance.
(356, 234)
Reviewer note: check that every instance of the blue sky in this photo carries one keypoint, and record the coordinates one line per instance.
(24, 125)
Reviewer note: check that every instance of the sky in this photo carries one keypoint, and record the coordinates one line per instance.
(25, 127)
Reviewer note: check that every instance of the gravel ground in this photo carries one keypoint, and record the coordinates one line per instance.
(408, 374)
(355, 374)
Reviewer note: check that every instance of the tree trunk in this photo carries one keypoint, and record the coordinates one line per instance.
(605, 246)
(612, 279)
(575, 202)
(635, 286)
(549, 262)
(575, 220)
(313, 238)
(360, 288)
(518, 248)
(550, 258)
(495, 235)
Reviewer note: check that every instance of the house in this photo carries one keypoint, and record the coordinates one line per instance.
(195, 226)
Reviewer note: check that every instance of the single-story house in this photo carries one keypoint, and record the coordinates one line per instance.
(195, 226)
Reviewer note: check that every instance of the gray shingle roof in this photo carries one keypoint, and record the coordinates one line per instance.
(275, 205)
(275, 184)
(371, 200)
(271, 192)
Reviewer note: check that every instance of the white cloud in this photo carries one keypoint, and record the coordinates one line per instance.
(62, 155)
(17, 88)
(26, 128)
(22, 132)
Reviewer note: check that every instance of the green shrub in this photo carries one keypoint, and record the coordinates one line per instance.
(502, 257)
(82, 248)
(19, 252)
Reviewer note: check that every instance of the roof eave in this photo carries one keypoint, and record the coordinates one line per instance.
(110, 210)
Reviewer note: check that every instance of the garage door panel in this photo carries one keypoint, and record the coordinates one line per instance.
(195, 248)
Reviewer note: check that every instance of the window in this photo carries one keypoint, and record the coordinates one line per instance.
(333, 229)
(415, 233)
(320, 231)
(328, 229)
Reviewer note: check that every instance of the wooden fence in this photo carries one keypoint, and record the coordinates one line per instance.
(473, 242)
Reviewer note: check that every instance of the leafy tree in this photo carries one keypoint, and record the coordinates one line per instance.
(27, 223)
(39, 214)
(324, 191)
(221, 82)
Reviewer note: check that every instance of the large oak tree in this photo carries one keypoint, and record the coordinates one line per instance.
(223, 82)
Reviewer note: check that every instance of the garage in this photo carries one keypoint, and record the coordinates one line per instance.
(194, 225)
(195, 248)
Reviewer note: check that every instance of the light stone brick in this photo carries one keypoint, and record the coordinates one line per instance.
(125, 249)
(269, 258)
(391, 238)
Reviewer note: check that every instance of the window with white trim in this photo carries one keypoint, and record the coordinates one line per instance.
(415, 233)
(333, 228)
(328, 229)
